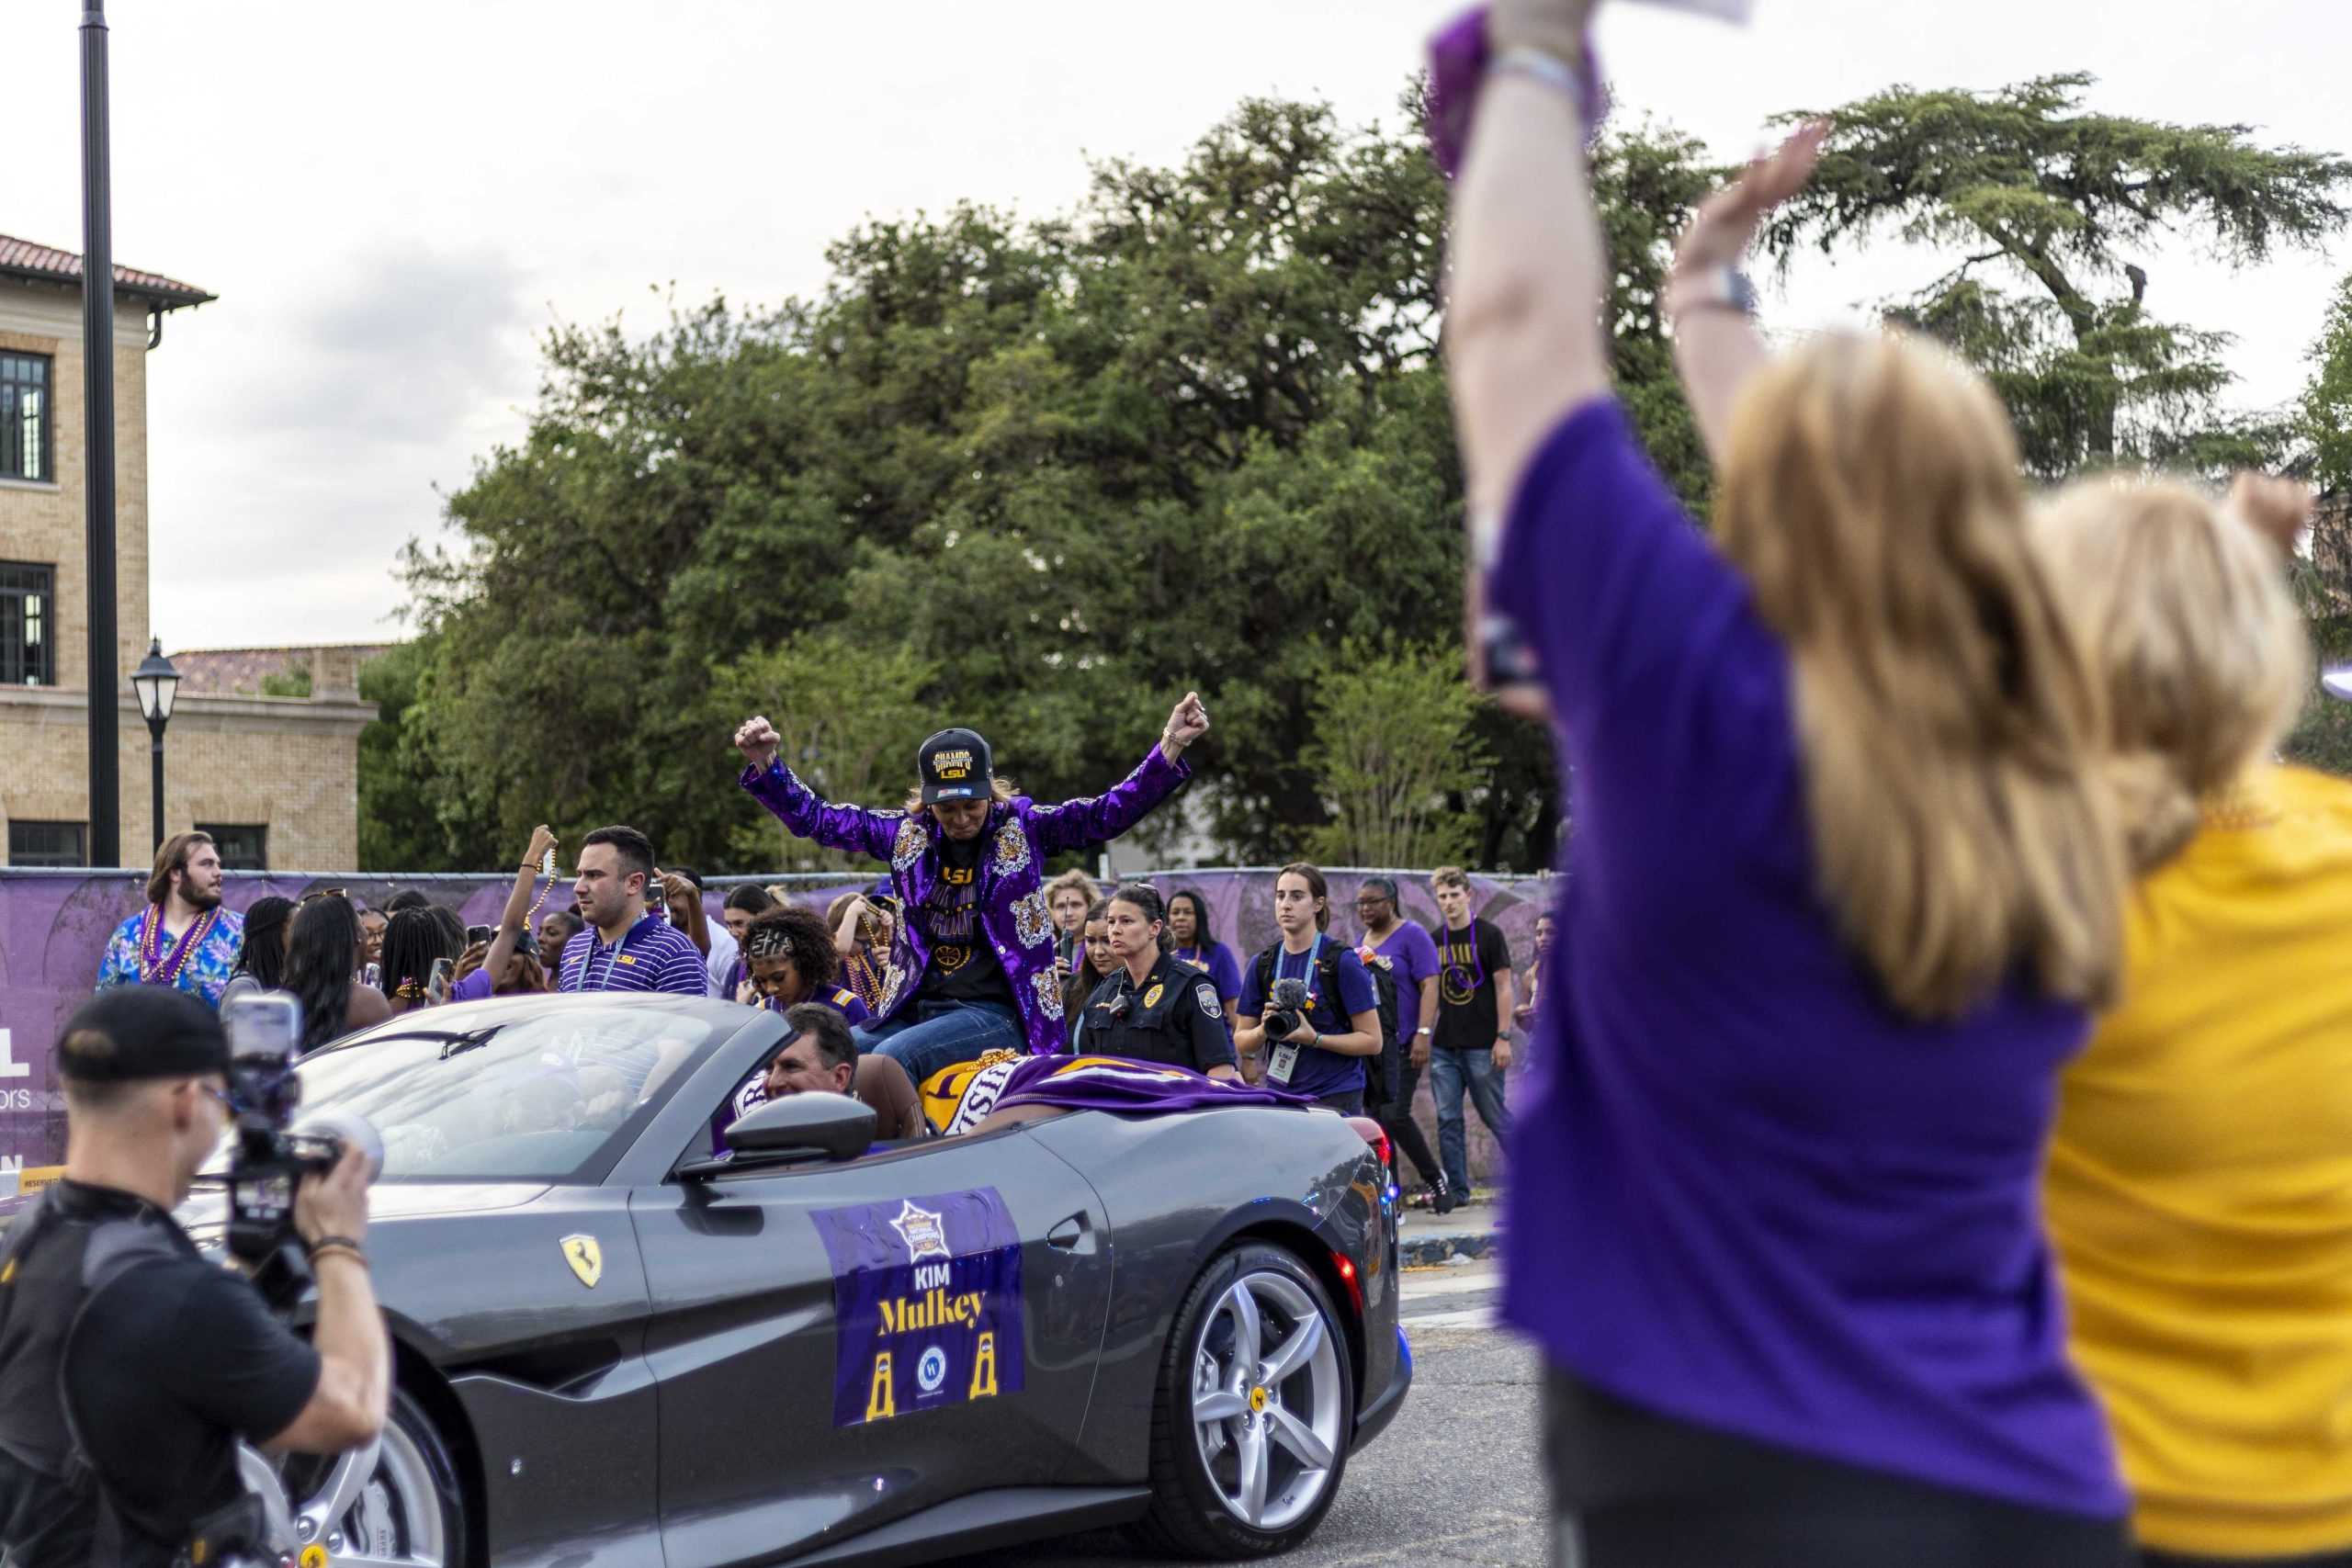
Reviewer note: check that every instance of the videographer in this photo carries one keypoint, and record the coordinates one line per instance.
(130, 1364)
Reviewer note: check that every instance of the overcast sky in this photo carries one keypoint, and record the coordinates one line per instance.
(391, 201)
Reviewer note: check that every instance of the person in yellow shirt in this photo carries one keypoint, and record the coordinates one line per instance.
(2200, 1178)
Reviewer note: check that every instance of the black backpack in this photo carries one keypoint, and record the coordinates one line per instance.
(1381, 1070)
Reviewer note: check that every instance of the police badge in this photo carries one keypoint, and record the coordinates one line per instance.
(1206, 994)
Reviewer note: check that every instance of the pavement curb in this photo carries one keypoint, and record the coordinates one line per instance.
(1420, 1251)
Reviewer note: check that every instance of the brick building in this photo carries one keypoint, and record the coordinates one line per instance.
(278, 774)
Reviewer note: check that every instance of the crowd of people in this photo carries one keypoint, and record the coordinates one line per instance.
(1931, 1149)
(996, 957)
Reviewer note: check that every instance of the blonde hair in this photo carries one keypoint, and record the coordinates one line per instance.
(1000, 791)
(2189, 622)
(1948, 718)
(1077, 879)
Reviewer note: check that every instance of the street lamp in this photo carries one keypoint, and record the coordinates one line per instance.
(157, 683)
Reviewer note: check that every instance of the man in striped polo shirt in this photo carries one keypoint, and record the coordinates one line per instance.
(625, 947)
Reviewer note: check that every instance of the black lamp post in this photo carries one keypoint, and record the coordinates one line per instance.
(157, 683)
(97, 425)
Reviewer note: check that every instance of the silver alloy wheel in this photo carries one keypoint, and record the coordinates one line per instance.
(1267, 1400)
(387, 1515)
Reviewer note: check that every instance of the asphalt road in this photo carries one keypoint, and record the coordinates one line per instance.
(1453, 1482)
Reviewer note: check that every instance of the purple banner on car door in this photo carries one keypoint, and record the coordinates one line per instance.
(926, 1302)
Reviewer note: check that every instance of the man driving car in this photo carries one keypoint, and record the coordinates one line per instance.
(821, 1056)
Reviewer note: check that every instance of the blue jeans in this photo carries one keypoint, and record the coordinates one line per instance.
(932, 1035)
(1449, 1069)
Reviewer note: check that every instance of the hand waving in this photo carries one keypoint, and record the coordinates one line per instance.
(1727, 222)
(758, 740)
(2279, 509)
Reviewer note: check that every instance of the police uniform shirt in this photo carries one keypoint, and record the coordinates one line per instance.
(161, 1423)
(1174, 1017)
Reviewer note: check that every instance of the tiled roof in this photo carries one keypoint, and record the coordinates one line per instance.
(238, 671)
(22, 258)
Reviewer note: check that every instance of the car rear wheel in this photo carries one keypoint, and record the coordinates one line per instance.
(1250, 1432)
(405, 1511)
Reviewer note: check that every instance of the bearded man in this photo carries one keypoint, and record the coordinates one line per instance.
(183, 939)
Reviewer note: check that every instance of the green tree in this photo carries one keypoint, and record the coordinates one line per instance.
(1394, 751)
(850, 721)
(1038, 478)
(2323, 736)
(2027, 187)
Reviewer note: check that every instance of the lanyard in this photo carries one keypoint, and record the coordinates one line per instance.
(588, 961)
(1313, 954)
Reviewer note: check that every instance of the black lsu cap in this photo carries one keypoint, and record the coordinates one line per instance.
(141, 1032)
(955, 765)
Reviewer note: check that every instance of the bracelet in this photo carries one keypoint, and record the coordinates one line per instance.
(1548, 69)
(339, 1249)
(313, 1248)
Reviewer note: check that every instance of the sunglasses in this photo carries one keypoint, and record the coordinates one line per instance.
(322, 893)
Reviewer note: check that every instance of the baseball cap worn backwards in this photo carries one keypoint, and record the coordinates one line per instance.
(141, 1032)
(955, 764)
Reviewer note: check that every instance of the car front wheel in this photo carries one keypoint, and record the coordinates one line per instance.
(404, 1511)
(1250, 1431)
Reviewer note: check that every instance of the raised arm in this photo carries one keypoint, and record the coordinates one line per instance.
(1717, 345)
(1095, 820)
(790, 802)
(518, 902)
(1523, 328)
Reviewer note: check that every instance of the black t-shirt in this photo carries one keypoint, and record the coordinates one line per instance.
(175, 1359)
(1173, 1017)
(962, 968)
(1468, 961)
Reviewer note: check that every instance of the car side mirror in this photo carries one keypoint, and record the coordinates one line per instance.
(833, 1126)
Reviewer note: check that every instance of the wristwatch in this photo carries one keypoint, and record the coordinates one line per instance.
(1422, 1030)
(1711, 289)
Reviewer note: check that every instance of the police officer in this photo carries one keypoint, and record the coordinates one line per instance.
(131, 1365)
(1153, 1008)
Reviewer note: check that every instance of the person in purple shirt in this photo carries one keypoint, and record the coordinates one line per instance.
(1844, 890)
(1322, 1052)
(625, 947)
(1410, 953)
(971, 967)
(1195, 942)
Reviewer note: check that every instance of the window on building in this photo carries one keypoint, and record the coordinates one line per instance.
(48, 843)
(24, 416)
(27, 625)
(243, 847)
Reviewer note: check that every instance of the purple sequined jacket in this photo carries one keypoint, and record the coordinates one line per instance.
(1019, 836)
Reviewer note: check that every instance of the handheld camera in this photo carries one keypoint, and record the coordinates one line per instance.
(270, 1156)
(1285, 1010)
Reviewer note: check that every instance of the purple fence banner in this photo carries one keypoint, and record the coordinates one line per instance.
(54, 926)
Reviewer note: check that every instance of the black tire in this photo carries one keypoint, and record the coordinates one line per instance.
(1189, 1515)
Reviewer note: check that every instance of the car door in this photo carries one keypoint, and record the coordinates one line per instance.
(836, 1345)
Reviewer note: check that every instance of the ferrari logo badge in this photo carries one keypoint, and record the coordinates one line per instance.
(314, 1556)
(1258, 1401)
(587, 1260)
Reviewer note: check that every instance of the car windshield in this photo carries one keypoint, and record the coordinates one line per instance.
(542, 1099)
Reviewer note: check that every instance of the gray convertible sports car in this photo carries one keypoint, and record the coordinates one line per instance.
(615, 1348)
